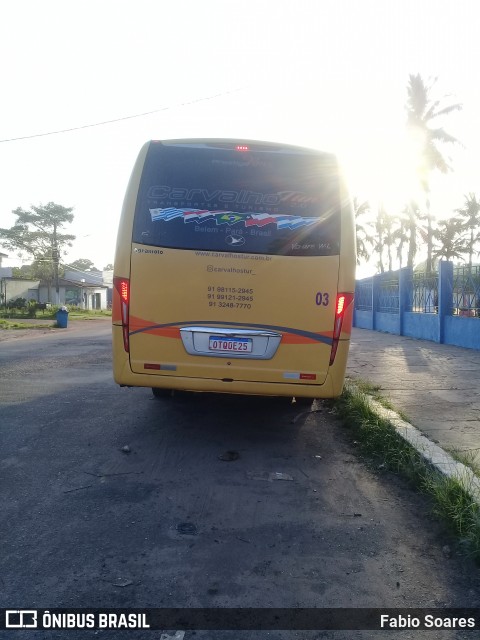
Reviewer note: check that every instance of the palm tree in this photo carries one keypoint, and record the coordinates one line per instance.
(389, 236)
(449, 235)
(471, 213)
(401, 236)
(380, 236)
(385, 237)
(421, 112)
(364, 239)
(411, 226)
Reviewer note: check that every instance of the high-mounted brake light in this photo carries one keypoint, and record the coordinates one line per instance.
(343, 301)
(242, 147)
(122, 285)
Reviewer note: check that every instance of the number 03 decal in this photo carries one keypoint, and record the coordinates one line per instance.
(322, 299)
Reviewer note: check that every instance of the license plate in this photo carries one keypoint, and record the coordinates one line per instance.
(230, 345)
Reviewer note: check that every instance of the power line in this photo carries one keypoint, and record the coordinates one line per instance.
(138, 115)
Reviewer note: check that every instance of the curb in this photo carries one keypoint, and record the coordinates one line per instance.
(428, 450)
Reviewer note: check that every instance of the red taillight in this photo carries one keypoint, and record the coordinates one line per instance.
(241, 147)
(340, 304)
(122, 285)
(124, 292)
(343, 301)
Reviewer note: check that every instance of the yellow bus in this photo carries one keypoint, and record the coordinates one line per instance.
(234, 270)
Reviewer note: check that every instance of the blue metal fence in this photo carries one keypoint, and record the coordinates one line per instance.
(424, 292)
(466, 291)
(443, 307)
(388, 294)
(363, 295)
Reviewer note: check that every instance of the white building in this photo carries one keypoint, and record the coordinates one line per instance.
(80, 293)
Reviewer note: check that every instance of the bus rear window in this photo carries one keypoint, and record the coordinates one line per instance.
(276, 202)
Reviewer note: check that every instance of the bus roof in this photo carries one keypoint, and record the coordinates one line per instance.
(242, 145)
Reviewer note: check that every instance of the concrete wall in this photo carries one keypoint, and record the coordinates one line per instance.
(462, 332)
(94, 298)
(18, 288)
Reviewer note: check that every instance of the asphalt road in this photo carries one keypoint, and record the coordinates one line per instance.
(111, 498)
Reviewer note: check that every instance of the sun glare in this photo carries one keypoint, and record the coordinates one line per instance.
(384, 172)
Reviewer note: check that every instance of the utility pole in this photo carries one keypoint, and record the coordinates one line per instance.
(56, 260)
(3, 292)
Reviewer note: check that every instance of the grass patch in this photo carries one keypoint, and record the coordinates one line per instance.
(74, 313)
(384, 448)
(454, 505)
(376, 437)
(467, 458)
(7, 324)
(373, 390)
(81, 314)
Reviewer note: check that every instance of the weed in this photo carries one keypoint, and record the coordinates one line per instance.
(380, 443)
(7, 324)
(373, 390)
(453, 503)
(377, 438)
(466, 457)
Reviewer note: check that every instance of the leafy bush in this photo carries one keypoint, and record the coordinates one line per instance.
(32, 309)
(18, 303)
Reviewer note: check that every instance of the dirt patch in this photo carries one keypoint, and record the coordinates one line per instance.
(39, 327)
(15, 334)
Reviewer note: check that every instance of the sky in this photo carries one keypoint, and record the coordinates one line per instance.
(331, 75)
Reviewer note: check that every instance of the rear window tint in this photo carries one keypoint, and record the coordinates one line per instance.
(219, 199)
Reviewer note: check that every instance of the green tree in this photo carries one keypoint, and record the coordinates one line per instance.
(82, 264)
(39, 269)
(362, 229)
(449, 235)
(422, 115)
(470, 212)
(36, 233)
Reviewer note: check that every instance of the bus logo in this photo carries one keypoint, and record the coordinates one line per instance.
(235, 241)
